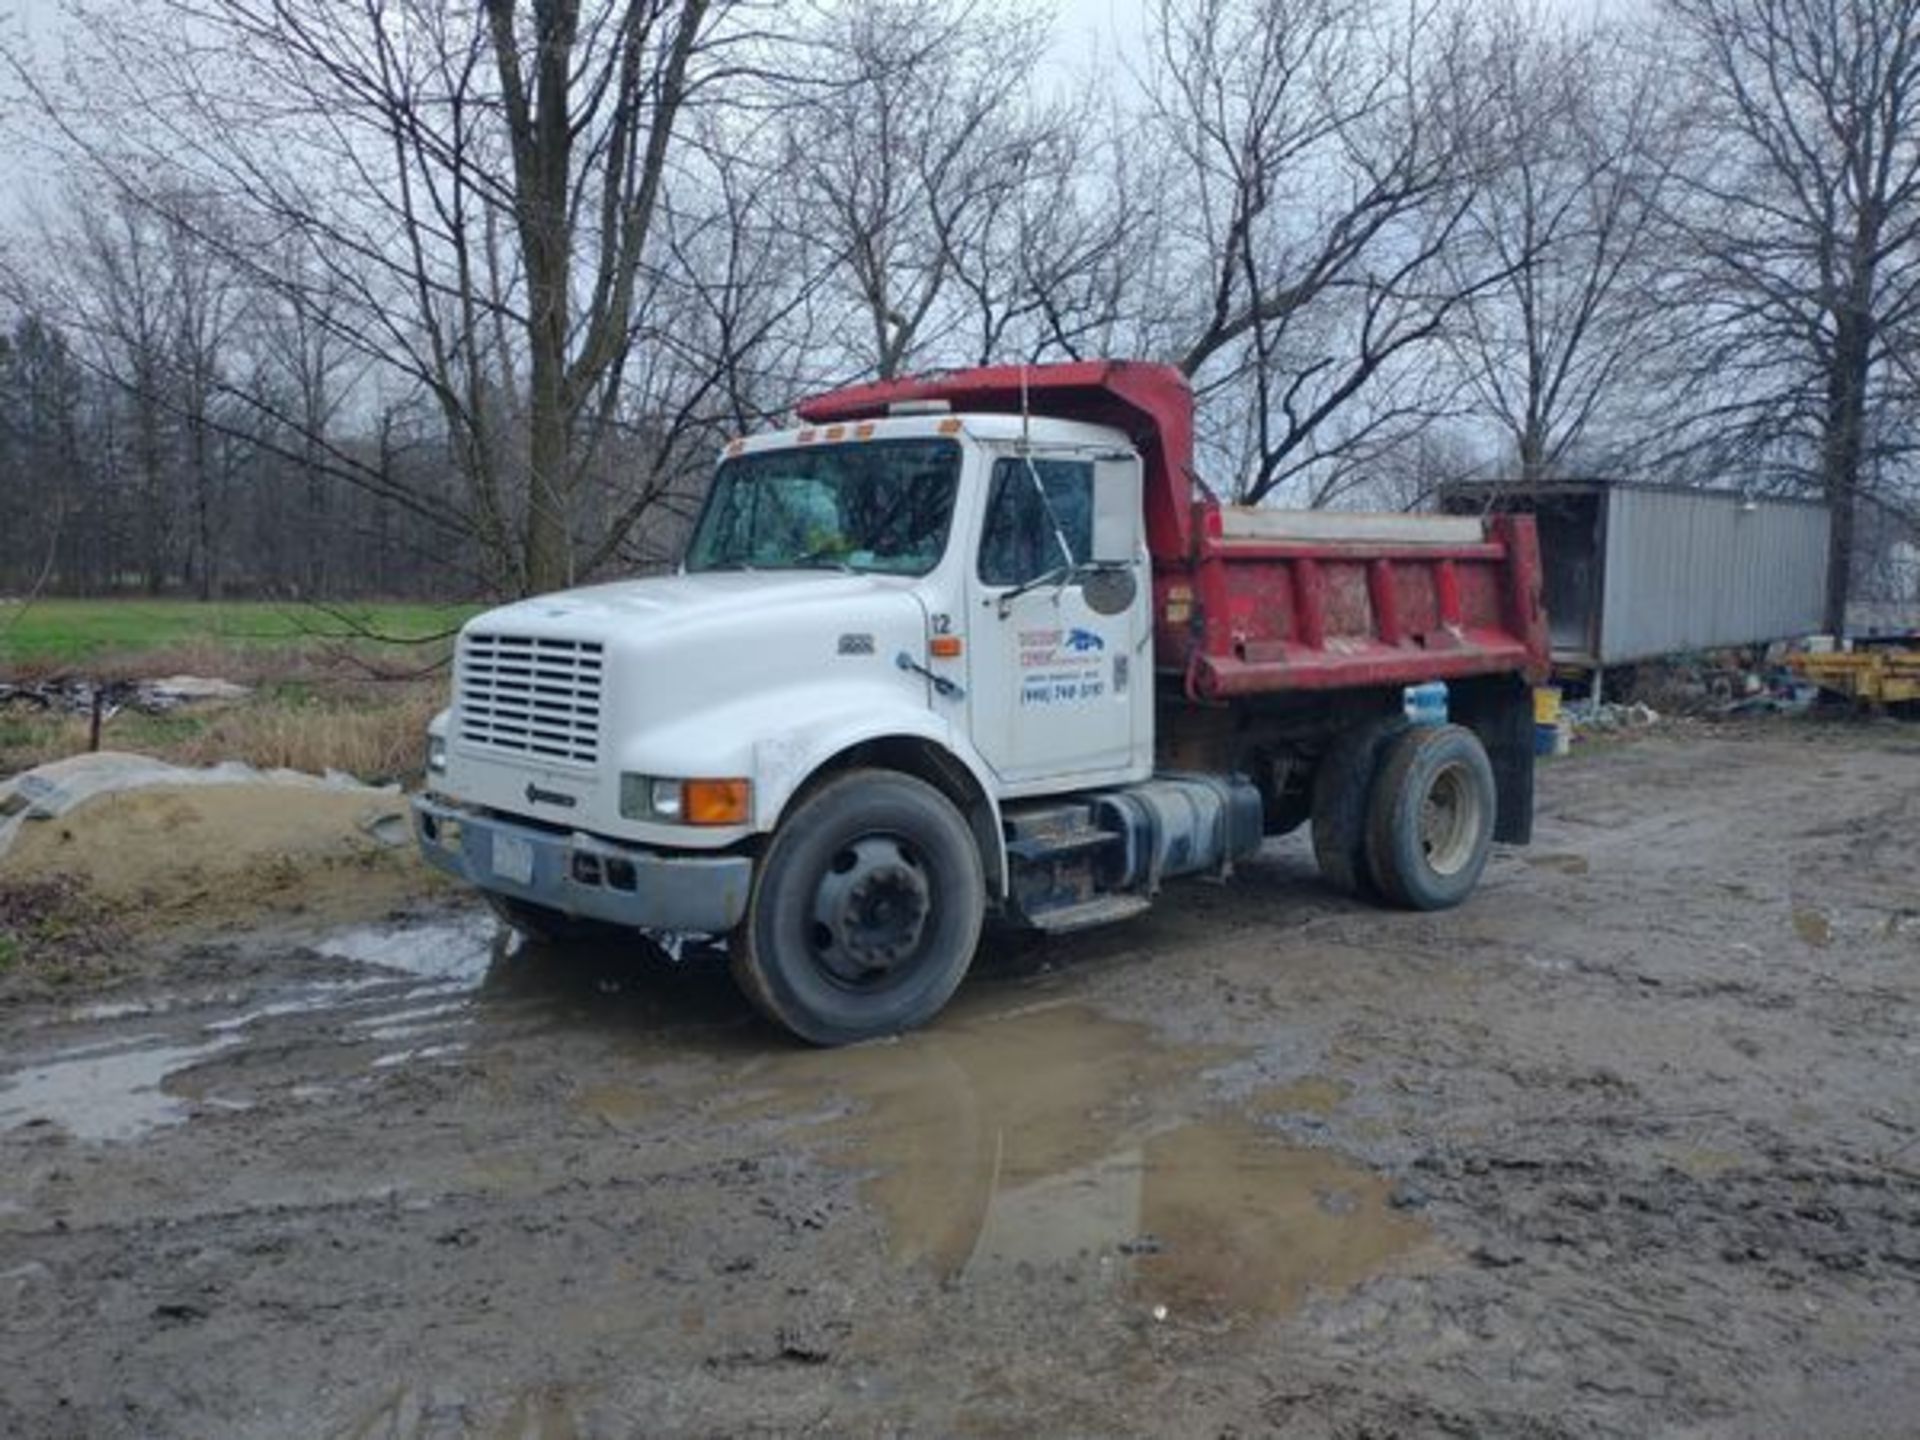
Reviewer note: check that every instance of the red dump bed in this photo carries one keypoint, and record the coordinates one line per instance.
(1257, 601)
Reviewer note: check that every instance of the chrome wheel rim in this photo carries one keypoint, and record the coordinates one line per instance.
(1450, 820)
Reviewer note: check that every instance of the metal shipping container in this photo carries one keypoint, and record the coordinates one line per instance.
(1635, 570)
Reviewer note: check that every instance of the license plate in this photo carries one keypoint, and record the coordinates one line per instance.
(513, 859)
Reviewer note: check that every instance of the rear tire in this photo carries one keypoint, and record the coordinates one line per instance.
(866, 909)
(1430, 822)
(1342, 789)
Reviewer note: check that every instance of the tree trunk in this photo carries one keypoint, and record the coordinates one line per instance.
(549, 543)
(1840, 458)
(151, 484)
(1840, 509)
(202, 502)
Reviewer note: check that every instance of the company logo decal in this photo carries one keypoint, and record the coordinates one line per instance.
(537, 796)
(1061, 667)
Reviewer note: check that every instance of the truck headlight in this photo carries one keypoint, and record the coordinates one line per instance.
(436, 754)
(686, 802)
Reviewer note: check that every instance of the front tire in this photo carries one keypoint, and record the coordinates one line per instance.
(1431, 818)
(866, 909)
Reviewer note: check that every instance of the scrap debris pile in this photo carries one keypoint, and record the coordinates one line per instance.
(1724, 682)
(72, 695)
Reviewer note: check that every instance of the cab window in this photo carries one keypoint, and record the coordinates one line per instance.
(1018, 543)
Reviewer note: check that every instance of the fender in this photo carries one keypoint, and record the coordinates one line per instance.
(784, 763)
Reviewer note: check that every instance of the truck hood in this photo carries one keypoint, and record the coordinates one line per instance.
(671, 602)
(696, 673)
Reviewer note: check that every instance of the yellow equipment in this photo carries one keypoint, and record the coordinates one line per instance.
(1867, 677)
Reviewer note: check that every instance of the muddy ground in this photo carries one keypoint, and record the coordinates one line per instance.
(1630, 1145)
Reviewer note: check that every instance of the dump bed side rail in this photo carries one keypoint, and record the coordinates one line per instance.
(1333, 602)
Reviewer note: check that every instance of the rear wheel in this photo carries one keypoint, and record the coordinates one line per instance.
(866, 910)
(1430, 822)
(1342, 789)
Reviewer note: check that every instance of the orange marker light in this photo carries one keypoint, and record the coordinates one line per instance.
(734, 447)
(948, 427)
(834, 432)
(863, 431)
(805, 437)
(716, 802)
(944, 647)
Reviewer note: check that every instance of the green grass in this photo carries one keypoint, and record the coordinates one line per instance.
(56, 633)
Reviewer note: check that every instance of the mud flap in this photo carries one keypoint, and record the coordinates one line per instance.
(1500, 711)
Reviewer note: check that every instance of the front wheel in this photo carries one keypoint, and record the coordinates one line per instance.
(866, 909)
(1430, 820)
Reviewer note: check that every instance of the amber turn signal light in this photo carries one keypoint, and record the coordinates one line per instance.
(716, 802)
(944, 647)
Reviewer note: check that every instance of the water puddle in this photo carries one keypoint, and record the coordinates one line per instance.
(415, 1055)
(1057, 1138)
(111, 1096)
(322, 995)
(461, 948)
(123, 1087)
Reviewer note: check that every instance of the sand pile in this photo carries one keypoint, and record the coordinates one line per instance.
(159, 846)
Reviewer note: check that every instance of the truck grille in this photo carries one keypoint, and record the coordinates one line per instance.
(531, 695)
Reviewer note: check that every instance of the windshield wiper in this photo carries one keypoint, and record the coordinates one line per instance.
(822, 559)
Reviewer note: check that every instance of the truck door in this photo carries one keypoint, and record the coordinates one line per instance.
(1054, 681)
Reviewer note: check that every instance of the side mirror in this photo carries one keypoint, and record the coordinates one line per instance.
(1116, 509)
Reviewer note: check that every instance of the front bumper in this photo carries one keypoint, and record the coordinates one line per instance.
(580, 874)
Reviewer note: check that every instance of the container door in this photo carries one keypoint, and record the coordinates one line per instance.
(1058, 658)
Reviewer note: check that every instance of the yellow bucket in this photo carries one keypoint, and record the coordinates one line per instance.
(1546, 705)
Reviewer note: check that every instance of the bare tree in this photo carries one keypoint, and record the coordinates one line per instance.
(1567, 217)
(912, 149)
(476, 189)
(303, 359)
(119, 294)
(1803, 227)
(1325, 155)
(206, 315)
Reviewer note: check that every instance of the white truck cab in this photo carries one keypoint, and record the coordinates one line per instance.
(965, 594)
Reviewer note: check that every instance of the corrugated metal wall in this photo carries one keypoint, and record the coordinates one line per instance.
(1689, 570)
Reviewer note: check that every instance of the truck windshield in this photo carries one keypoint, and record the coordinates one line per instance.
(881, 505)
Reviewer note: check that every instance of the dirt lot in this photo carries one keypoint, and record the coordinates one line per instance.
(1630, 1145)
